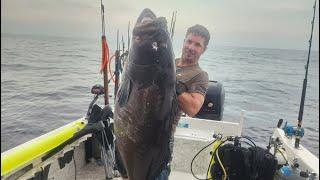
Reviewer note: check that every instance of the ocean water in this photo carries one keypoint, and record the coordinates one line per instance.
(46, 82)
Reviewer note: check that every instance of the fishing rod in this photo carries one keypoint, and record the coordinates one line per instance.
(128, 36)
(105, 57)
(122, 43)
(298, 132)
(104, 70)
(120, 56)
(117, 65)
(173, 23)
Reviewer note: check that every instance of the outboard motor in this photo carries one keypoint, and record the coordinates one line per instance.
(212, 107)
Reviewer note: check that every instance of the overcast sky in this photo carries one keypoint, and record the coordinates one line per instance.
(253, 23)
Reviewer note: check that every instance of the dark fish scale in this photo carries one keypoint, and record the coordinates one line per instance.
(146, 104)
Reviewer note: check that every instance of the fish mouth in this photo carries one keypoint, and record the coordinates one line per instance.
(150, 39)
(146, 16)
(148, 24)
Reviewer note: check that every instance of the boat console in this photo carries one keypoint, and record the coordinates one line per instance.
(212, 107)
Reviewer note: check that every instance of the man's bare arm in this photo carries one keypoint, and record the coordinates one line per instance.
(190, 103)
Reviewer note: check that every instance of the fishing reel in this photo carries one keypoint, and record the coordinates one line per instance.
(104, 136)
(95, 113)
(293, 130)
(97, 90)
(290, 131)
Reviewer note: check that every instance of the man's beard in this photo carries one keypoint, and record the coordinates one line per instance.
(189, 59)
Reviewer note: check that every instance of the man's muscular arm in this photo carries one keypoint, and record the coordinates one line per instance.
(190, 103)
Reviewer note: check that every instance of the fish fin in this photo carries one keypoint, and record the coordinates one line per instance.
(175, 115)
(124, 93)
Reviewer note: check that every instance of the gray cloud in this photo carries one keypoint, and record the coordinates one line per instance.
(279, 24)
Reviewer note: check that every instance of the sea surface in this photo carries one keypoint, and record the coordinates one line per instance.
(46, 82)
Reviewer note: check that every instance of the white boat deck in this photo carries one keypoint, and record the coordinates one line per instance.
(94, 172)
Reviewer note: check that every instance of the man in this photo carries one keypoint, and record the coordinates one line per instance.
(192, 81)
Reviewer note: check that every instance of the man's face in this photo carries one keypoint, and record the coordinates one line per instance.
(193, 47)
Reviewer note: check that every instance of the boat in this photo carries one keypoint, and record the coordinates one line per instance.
(41, 162)
(84, 148)
(63, 153)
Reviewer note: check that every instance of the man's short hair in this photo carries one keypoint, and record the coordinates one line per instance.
(200, 30)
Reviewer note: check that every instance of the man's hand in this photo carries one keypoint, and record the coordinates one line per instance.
(180, 88)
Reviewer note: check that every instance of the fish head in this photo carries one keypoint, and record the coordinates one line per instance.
(145, 16)
(151, 43)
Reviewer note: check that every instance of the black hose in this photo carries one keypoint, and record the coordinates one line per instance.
(249, 139)
(75, 166)
(228, 138)
(195, 158)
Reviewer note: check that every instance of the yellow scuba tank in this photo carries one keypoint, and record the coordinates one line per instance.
(212, 161)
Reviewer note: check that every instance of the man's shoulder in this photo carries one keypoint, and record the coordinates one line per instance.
(202, 74)
(202, 78)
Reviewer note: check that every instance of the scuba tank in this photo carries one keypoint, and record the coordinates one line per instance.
(215, 145)
(236, 161)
